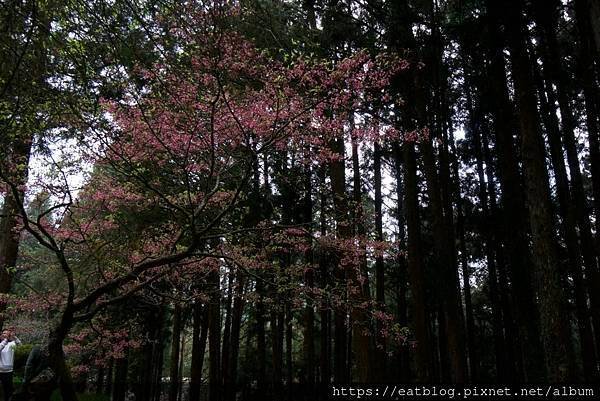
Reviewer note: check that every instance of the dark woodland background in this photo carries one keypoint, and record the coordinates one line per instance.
(491, 219)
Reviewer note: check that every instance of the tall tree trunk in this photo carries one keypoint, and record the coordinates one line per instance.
(381, 351)
(325, 343)
(478, 127)
(15, 145)
(498, 335)
(109, 377)
(445, 263)
(236, 324)
(159, 359)
(404, 372)
(277, 353)
(416, 273)
(567, 213)
(555, 333)
(226, 348)
(120, 385)
(466, 272)
(181, 362)
(500, 294)
(343, 231)
(530, 355)
(591, 93)
(498, 269)
(18, 162)
(360, 340)
(261, 343)
(440, 182)
(289, 368)
(401, 37)
(100, 380)
(309, 279)
(593, 10)
(360, 231)
(147, 369)
(175, 346)
(199, 336)
(547, 19)
(215, 384)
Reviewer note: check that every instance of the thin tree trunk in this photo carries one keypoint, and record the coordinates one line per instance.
(361, 233)
(325, 343)
(381, 351)
(236, 324)
(175, 346)
(404, 372)
(289, 368)
(502, 296)
(416, 273)
(226, 348)
(309, 279)
(199, 336)
(451, 302)
(214, 337)
(499, 348)
(276, 354)
(466, 272)
(181, 361)
(360, 340)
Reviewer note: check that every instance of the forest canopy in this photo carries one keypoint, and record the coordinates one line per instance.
(256, 199)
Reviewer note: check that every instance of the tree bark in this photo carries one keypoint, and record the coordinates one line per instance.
(277, 353)
(199, 336)
(343, 230)
(215, 384)
(343, 274)
(226, 348)
(289, 368)
(381, 351)
(445, 263)
(309, 279)
(18, 160)
(569, 230)
(416, 274)
(236, 324)
(120, 385)
(325, 315)
(530, 355)
(175, 346)
(555, 332)
(403, 356)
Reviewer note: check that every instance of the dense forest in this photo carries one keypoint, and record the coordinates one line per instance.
(253, 199)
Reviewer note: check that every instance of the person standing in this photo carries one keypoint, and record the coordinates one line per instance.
(7, 357)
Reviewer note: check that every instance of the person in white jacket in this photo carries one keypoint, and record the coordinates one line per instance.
(7, 357)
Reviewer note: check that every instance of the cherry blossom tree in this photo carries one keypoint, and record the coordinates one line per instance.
(169, 162)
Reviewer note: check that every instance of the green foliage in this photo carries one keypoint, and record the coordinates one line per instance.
(21, 354)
